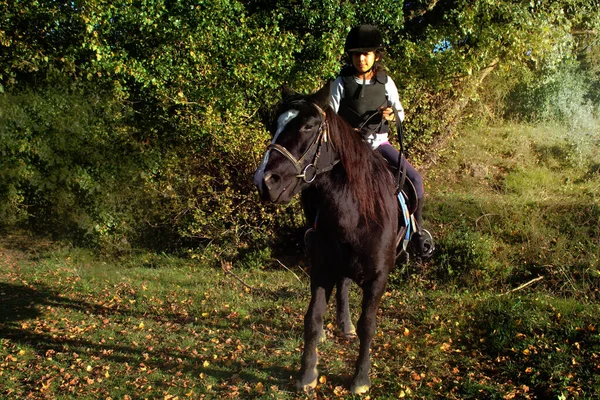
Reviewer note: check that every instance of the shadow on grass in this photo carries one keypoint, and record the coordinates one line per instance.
(24, 305)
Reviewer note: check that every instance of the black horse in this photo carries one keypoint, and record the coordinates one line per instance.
(355, 211)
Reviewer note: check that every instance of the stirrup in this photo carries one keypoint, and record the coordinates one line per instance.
(426, 245)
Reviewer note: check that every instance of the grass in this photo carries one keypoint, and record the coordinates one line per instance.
(74, 326)
(506, 206)
(525, 202)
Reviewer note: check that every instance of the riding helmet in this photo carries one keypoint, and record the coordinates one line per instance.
(362, 39)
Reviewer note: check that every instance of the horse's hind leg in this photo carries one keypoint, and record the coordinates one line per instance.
(313, 329)
(367, 323)
(343, 319)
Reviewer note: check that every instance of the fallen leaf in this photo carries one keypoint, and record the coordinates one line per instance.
(259, 387)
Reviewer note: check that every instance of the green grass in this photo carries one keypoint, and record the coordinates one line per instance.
(75, 326)
(518, 202)
(506, 206)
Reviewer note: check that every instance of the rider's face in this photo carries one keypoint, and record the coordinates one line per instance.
(363, 62)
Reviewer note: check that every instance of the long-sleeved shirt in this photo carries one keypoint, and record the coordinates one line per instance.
(391, 93)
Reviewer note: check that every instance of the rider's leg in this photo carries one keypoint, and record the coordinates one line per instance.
(391, 155)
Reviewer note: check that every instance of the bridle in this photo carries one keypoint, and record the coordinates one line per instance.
(310, 171)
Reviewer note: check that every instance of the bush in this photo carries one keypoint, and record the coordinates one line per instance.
(465, 255)
(68, 165)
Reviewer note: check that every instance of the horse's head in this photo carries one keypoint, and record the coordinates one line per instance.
(298, 132)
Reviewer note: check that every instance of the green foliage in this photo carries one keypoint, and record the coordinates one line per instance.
(509, 204)
(67, 163)
(561, 96)
(590, 62)
(449, 51)
(171, 92)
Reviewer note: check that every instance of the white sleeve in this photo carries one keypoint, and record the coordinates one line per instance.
(391, 91)
(337, 94)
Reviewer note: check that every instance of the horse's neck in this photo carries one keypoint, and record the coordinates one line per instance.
(328, 155)
(336, 208)
(334, 191)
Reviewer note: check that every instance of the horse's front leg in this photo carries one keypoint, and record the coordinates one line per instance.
(313, 330)
(367, 323)
(343, 319)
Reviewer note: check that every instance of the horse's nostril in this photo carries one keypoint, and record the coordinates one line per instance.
(271, 179)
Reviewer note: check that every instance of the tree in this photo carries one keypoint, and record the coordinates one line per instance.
(185, 80)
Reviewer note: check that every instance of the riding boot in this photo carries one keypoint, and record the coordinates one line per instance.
(418, 239)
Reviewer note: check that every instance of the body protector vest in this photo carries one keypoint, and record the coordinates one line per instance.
(361, 103)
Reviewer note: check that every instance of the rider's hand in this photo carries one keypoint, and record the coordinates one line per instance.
(387, 113)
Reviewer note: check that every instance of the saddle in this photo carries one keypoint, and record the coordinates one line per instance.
(407, 227)
(407, 205)
(410, 196)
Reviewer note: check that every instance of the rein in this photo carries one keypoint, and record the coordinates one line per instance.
(400, 177)
(310, 171)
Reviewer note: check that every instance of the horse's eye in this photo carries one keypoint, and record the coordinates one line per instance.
(308, 127)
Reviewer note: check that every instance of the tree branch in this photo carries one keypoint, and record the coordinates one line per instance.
(584, 32)
(523, 285)
(226, 267)
(283, 265)
(421, 12)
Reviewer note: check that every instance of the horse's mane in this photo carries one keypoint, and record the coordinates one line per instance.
(368, 175)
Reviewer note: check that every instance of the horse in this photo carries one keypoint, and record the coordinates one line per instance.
(349, 193)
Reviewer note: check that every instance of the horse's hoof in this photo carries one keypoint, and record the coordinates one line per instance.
(347, 330)
(301, 387)
(306, 384)
(351, 336)
(362, 389)
(360, 385)
(351, 331)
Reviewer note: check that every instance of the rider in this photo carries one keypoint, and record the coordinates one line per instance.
(365, 96)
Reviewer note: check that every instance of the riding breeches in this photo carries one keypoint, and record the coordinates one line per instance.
(391, 155)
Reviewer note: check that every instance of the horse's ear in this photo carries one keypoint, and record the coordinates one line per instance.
(286, 91)
(323, 96)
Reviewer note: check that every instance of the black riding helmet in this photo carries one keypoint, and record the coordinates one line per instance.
(363, 39)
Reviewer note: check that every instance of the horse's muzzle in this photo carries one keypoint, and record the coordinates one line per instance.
(271, 187)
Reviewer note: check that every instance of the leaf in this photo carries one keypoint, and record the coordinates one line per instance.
(259, 387)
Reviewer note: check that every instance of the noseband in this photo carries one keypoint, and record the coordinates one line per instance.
(310, 171)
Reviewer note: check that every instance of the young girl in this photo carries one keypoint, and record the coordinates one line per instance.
(365, 96)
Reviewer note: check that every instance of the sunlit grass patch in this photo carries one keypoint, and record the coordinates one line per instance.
(514, 202)
(93, 328)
